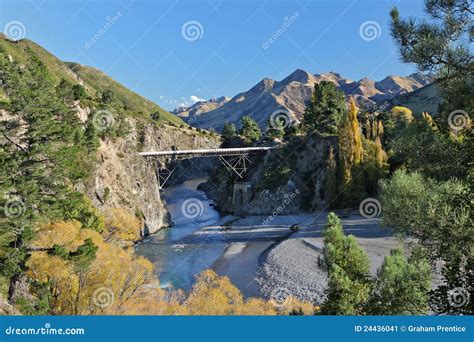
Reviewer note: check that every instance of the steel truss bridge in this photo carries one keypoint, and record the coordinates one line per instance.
(234, 159)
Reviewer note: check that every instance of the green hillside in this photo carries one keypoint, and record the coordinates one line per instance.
(99, 82)
(426, 99)
(93, 80)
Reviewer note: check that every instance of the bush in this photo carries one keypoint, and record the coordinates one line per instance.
(79, 92)
(295, 227)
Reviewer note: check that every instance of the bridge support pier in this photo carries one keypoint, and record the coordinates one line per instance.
(240, 196)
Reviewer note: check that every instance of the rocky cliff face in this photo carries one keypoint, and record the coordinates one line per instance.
(290, 179)
(124, 179)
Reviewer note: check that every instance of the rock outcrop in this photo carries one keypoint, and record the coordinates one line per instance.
(124, 179)
(288, 180)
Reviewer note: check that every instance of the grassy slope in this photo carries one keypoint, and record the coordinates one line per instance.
(426, 99)
(99, 81)
(93, 79)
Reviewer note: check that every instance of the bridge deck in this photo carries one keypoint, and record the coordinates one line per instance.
(207, 152)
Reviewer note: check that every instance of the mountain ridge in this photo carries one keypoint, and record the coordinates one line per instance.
(292, 93)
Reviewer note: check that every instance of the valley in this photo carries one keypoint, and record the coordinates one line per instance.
(310, 195)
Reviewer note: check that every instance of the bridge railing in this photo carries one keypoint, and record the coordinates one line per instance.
(207, 152)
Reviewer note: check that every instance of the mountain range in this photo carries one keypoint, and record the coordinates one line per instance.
(292, 94)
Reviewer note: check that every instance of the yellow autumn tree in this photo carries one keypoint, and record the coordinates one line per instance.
(121, 226)
(402, 114)
(111, 277)
(380, 155)
(350, 142)
(214, 295)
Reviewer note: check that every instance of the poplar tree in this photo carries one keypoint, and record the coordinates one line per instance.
(350, 143)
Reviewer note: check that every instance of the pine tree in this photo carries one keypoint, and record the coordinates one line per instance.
(250, 132)
(91, 137)
(229, 134)
(441, 44)
(348, 267)
(402, 285)
(325, 111)
(39, 155)
(275, 129)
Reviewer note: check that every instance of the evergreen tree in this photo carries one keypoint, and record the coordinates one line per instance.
(107, 97)
(325, 111)
(348, 266)
(443, 45)
(229, 134)
(250, 132)
(275, 129)
(79, 92)
(39, 154)
(402, 285)
(432, 211)
(91, 136)
(155, 116)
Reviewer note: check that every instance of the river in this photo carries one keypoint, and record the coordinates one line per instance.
(177, 256)
(258, 258)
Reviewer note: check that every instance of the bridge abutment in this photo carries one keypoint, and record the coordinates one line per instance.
(240, 196)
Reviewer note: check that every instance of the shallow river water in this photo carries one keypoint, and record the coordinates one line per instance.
(177, 256)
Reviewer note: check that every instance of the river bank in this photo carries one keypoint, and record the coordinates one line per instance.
(264, 260)
(260, 256)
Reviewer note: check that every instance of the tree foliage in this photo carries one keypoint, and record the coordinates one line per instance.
(348, 266)
(249, 132)
(441, 45)
(402, 285)
(350, 143)
(439, 216)
(326, 109)
(91, 265)
(229, 135)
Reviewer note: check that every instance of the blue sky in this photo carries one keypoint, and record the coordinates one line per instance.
(230, 44)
